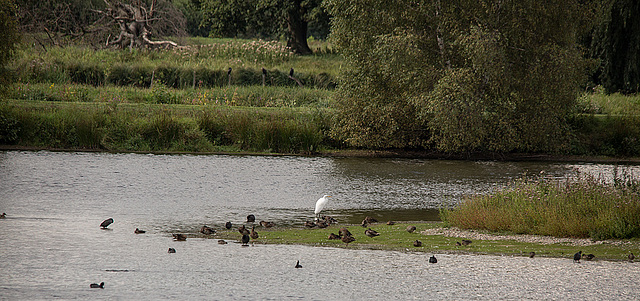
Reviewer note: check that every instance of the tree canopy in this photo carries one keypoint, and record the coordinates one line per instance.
(458, 76)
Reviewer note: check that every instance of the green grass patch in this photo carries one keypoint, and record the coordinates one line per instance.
(396, 238)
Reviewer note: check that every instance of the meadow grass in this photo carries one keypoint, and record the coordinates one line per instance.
(248, 96)
(581, 207)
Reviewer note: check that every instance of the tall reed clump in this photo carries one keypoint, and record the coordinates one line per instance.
(270, 131)
(579, 207)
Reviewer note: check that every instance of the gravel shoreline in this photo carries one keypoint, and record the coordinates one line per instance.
(539, 239)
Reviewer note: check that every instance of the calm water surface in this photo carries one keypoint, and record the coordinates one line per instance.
(52, 247)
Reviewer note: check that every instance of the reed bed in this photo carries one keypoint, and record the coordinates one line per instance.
(582, 207)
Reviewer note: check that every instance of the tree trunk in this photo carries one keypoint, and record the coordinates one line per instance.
(297, 29)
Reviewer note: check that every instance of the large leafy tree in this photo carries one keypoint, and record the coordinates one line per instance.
(458, 76)
(264, 18)
(616, 42)
(9, 36)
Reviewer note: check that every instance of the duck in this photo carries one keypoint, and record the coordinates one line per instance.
(417, 243)
(95, 285)
(531, 254)
(334, 236)
(347, 239)
(251, 218)
(410, 229)
(254, 234)
(433, 259)
(298, 265)
(344, 232)
(222, 242)
(138, 231)
(588, 257)
(309, 224)
(106, 223)
(371, 233)
(322, 224)
(207, 230)
(329, 220)
(631, 257)
(3, 215)
(243, 230)
(267, 224)
(228, 225)
(458, 243)
(577, 256)
(391, 223)
(179, 237)
(245, 240)
(466, 242)
(171, 250)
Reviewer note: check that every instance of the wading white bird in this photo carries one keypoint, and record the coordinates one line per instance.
(320, 205)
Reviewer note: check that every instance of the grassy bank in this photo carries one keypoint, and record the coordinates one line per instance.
(583, 207)
(119, 126)
(396, 238)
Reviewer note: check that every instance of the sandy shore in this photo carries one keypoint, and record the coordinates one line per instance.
(544, 240)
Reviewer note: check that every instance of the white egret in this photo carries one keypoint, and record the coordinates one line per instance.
(320, 205)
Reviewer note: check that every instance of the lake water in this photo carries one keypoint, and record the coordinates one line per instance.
(52, 248)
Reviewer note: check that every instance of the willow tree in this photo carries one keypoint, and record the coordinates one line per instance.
(457, 76)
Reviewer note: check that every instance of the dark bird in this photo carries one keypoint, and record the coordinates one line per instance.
(291, 72)
(433, 259)
(329, 220)
(531, 254)
(588, 257)
(222, 242)
(3, 215)
(267, 224)
(245, 240)
(309, 224)
(179, 237)
(466, 242)
(171, 250)
(322, 224)
(106, 223)
(251, 218)
(370, 220)
(95, 285)
(458, 243)
(207, 230)
(577, 256)
(391, 223)
(298, 265)
(334, 236)
(138, 231)
(631, 257)
(254, 234)
(371, 233)
(229, 71)
(243, 230)
(410, 229)
(228, 225)
(347, 239)
(264, 71)
(364, 223)
(417, 243)
(344, 232)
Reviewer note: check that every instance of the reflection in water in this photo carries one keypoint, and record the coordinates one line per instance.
(52, 245)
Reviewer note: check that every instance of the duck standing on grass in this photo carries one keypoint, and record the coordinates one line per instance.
(577, 256)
